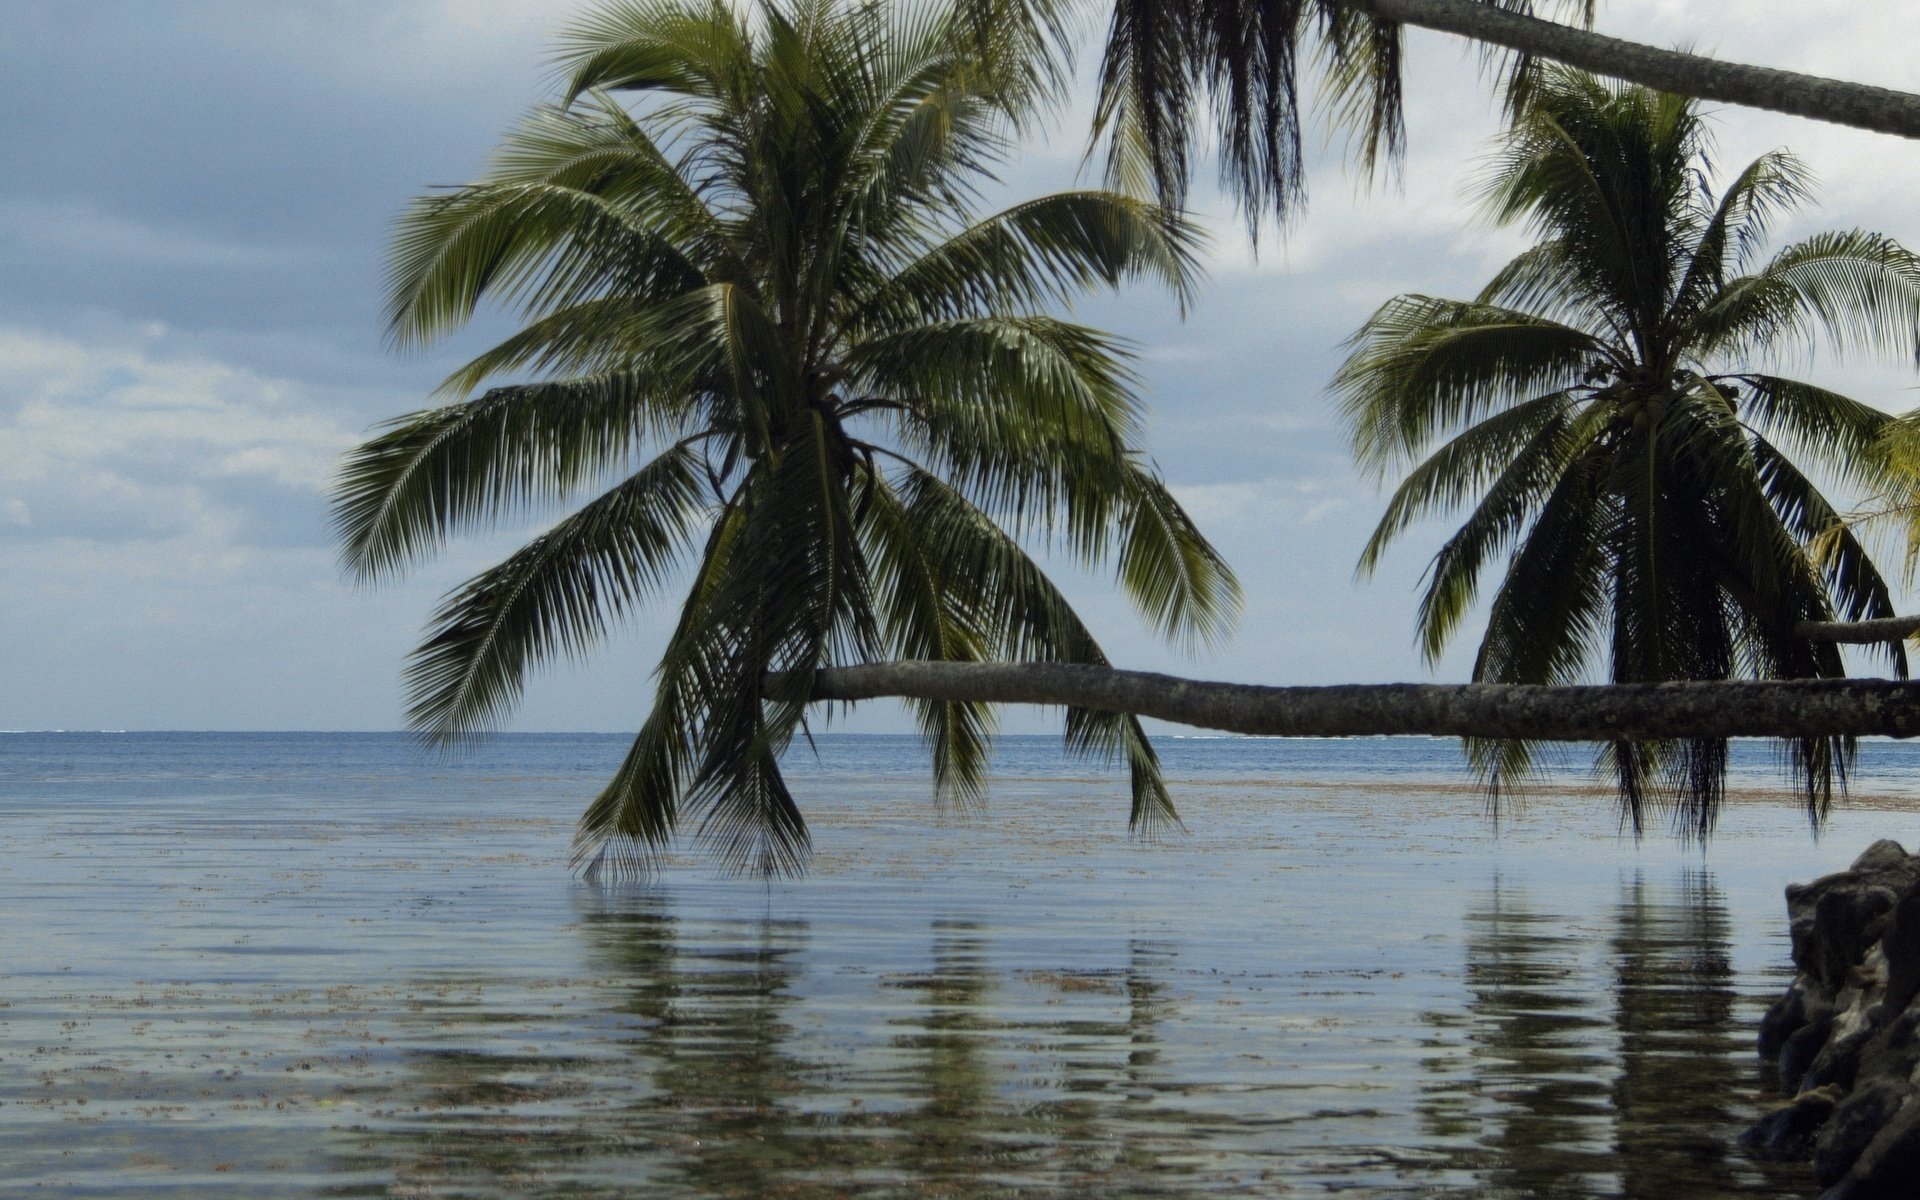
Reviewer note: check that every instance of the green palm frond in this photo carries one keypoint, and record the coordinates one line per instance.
(1169, 570)
(1592, 415)
(1040, 253)
(610, 335)
(1769, 187)
(1471, 463)
(534, 246)
(401, 493)
(1032, 415)
(1855, 590)
(634, 817)
(1545, 280)
(595, 146)
(552, 599)
(1547, 618)
(1861, 290)
(928, 617)
(1844, 436)
(1422, 364)
(1541, 626)
(1030, 621)
(1509, 502)
(689, 49)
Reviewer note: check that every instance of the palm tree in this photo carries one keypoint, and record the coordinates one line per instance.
(1613, 428)
(764, 319)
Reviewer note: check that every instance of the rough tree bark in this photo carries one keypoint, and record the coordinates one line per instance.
(1859, 633)
(1836, 101)
(1809, 708)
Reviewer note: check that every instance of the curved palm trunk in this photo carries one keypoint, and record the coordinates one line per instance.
(1743, 708)
(1859, 633)
(1864, 107)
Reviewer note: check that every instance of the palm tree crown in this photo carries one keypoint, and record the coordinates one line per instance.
(769, 327)
(1605, 411)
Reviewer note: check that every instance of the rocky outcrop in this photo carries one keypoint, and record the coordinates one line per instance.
(1846, 1036)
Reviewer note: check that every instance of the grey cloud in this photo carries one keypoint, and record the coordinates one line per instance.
(83, 235)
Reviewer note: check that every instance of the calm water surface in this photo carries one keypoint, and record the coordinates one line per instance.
(324, 965)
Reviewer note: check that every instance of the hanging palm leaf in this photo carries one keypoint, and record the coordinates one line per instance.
(769, 335)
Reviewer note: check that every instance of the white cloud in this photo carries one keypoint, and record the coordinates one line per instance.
(1219, 508)
(116, 440)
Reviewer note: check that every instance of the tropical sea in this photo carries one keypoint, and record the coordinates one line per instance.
(334, 965)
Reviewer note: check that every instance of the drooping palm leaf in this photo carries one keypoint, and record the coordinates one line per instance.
(770, 335)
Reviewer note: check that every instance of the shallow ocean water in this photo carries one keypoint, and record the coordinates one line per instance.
(329, 965)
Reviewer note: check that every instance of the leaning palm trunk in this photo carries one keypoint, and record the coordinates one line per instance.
(1836, 101)
(1594, 713)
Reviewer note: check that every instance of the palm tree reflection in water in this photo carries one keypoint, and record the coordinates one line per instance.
(1007, 1101)
(1601, 1055)
(981, 1082)
(1562, 1100)
(1689, 1080)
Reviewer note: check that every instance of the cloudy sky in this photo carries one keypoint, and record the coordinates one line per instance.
(194, 201)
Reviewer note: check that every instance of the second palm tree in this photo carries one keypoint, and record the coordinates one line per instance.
(1619, 438)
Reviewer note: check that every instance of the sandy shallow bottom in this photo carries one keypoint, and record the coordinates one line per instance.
(345, 978)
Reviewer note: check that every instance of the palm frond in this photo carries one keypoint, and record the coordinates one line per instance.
(1467, 465)
(1421, 364)
(535, 245)
(635, 816)
(1533, 475)
(927, 617)
(1029, 620)
(1844, 436)
(554, 598)
(1855, 590)
(696, 50)
(1169, 570)
(1860, 290)
(1769, 187)
(401, 493)
(1039, 253)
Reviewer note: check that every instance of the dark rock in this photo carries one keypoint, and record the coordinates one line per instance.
(1894, 1053)
(1786, 1018)
(1889, 875)
(1838, 1062)
(1889, 1167)
(1786, 1134)
(1901, 942)
(1882, 854)
(1841, 936)
(1847, 1032)
(1798, 1055)
(1851, 1128)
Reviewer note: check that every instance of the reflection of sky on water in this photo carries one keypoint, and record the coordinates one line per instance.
(242, 968)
